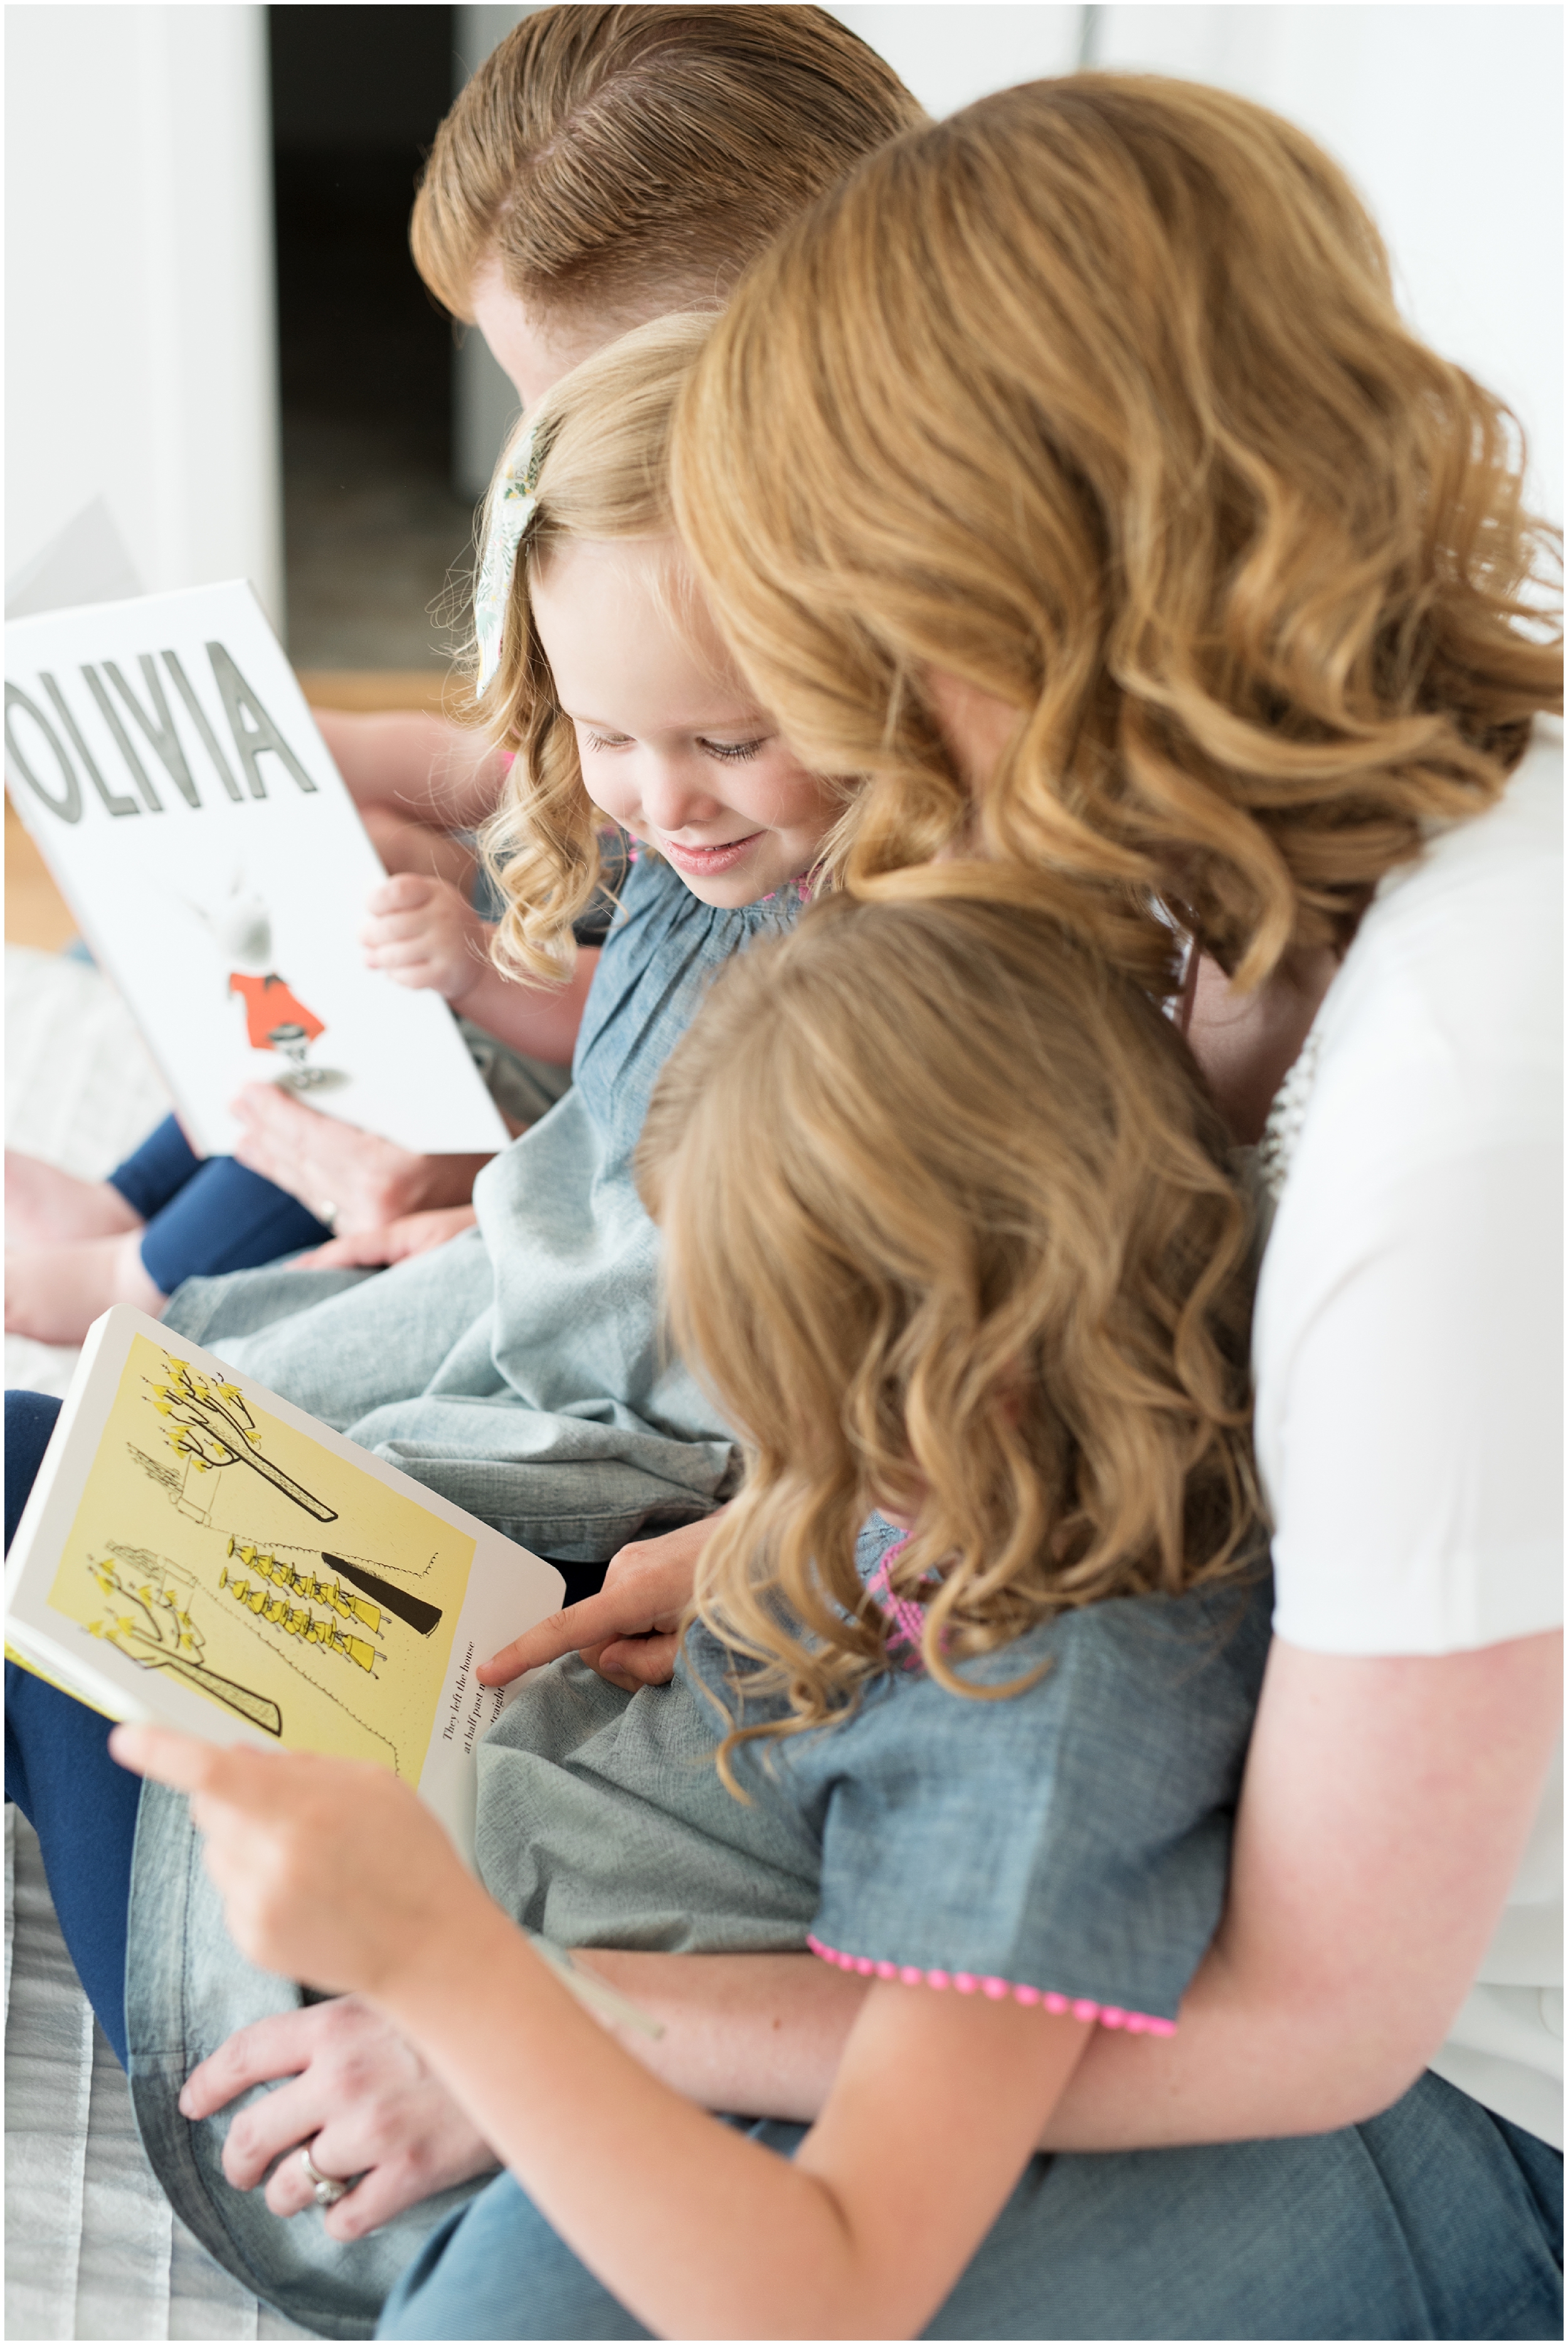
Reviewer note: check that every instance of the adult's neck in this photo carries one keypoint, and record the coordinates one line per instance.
(1246, 1043)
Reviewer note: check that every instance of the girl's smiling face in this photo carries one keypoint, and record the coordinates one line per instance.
(672, 745)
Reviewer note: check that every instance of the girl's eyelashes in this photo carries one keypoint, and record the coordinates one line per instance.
(734, 753)
(728, 752)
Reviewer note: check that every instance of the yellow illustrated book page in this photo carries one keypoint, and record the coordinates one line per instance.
(196, 1549)
(215, 1543)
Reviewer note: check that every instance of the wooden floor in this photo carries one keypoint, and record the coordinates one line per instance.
(35, 914)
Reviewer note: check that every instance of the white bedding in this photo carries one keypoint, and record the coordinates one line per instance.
(91, 2247)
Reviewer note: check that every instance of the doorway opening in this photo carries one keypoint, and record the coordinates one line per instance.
(377, 543)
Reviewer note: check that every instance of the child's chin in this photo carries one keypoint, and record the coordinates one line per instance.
(729, 890)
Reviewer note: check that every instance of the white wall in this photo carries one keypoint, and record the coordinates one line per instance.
(949, 55)
(140, 352)
(1449, 119)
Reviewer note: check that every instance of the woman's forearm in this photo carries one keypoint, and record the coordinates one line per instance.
(539, 1020)
(413, 763)
(1386, 1805)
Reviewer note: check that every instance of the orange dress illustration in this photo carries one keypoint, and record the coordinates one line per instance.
(275, 1019)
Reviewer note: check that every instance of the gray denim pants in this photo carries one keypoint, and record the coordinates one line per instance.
(1435, 2220)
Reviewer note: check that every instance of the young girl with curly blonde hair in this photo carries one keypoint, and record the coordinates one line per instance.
(991, 1755)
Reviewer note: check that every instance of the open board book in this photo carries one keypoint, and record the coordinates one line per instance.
(198, 1553)
(161, 755)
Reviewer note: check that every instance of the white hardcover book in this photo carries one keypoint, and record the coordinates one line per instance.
(161, 754)
(198, 1552)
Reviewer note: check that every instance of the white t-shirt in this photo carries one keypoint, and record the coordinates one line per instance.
(1408, 1341)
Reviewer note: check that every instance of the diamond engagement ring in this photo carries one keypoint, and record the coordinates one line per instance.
(327, 1212)
(325, 2188)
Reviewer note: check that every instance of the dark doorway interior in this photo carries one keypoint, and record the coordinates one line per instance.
(372, 531)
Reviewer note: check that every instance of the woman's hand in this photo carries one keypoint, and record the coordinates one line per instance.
(368, 1182)
(629, 1632)
(424, 934)
(331, 1871)
(396, 1241)
(360, 2097)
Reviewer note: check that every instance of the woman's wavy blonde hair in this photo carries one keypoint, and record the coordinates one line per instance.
(950, 1227)
(601, 445)
(1096, 397)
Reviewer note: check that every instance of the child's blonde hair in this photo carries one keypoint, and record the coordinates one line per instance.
(599, 441)
(950, 1227)
(615, 159)
(1096, 396)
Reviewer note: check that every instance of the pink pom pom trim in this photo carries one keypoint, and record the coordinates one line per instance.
(1080, 2008)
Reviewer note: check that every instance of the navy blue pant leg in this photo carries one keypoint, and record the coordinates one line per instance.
(59, 1773)
(206, 1215)
(156, 1171)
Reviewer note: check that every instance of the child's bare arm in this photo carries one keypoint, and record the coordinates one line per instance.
(423, 933)
(334, 1872)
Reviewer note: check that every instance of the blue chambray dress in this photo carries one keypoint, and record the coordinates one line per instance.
(519, 1370)
(1068, 1846)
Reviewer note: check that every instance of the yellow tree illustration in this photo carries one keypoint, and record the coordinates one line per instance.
(211, 1428)
(148, 1622)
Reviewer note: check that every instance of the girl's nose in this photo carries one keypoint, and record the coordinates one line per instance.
(676, 798)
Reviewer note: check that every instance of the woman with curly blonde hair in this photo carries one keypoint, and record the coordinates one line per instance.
(1070, 475)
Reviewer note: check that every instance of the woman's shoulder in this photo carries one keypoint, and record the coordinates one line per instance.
(1459, 951)
(1442, 1035)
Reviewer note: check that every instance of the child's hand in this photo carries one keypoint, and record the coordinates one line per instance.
(331, 1869)
(629, 1632)
(421, 931)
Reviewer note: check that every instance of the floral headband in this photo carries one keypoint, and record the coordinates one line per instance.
(512, 509)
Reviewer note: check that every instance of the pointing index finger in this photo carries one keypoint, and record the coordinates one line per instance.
(588, 1622)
